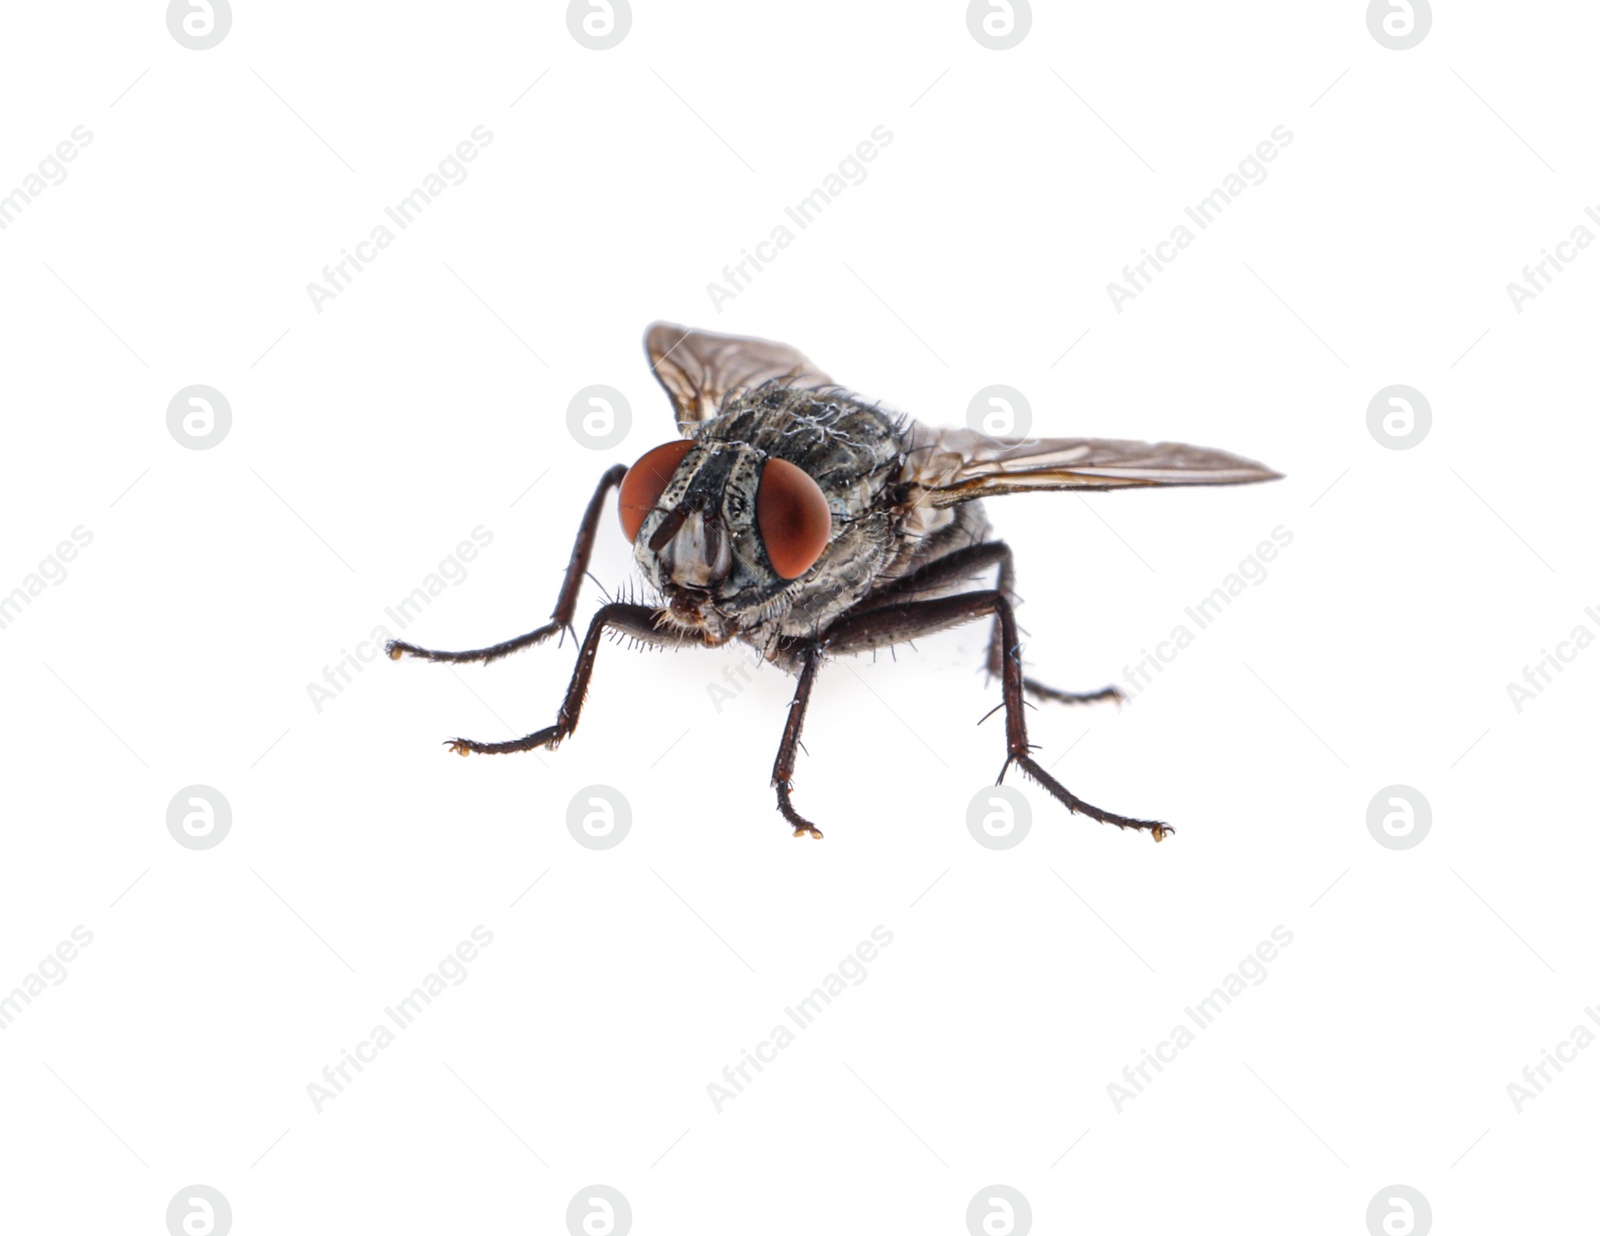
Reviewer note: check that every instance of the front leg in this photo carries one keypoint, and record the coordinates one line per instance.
(638, 621)
(566, 602)
(783, 768)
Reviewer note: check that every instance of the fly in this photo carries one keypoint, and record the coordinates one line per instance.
(797, 518)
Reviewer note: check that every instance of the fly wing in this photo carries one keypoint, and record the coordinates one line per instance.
(699, 369)
(956, 465)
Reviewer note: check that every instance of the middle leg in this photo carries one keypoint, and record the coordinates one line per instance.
(962, 564)
(902, 620)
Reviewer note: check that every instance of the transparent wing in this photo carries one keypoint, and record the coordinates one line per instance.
(961, 464)
(699, 369)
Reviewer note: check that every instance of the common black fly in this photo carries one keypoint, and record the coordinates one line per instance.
(805, 522)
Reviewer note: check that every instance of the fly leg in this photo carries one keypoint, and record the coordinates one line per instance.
(783, 768)
(962, 564)
(635, 620)
(566, 602)
(1003, 646)
(898, 621)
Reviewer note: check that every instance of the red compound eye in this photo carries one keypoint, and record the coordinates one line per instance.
(793, 517)
(646, 481)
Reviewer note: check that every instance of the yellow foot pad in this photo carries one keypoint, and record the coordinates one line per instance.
(460, 747)
(1161, 832)
(814, 833)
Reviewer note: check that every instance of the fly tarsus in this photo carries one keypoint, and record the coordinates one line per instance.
(547, 738)
(802, 826)
(1038, 690)
(399, 648)
(1073, 803)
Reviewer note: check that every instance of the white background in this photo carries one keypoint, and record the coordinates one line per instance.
(373, 436)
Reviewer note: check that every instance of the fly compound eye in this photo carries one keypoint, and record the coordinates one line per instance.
(793, 517)
(646, 481)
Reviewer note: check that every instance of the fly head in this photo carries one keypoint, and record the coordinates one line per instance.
(722, 530)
